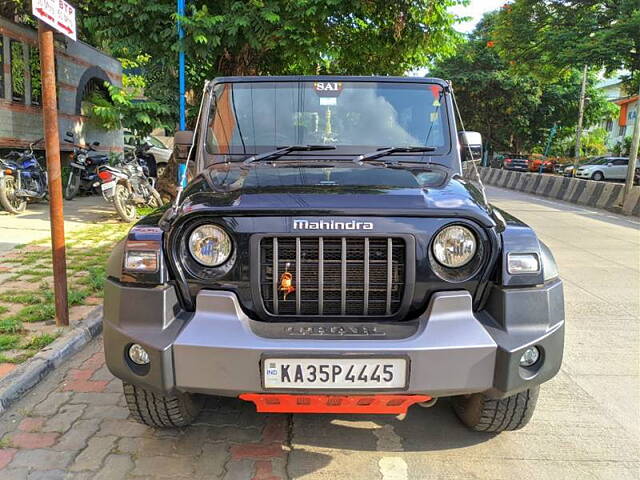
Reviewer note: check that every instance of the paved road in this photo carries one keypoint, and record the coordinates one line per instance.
(74, 425)
(33, 224)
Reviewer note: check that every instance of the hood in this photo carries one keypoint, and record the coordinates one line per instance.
(423, 191)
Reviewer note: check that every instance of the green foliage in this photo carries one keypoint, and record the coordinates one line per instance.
(9, 342)
(594, 142)
(513, 109)
(556, 35)
(120, 109)
(258, 37)
(40, 341)
(623, 147)
(10, 325)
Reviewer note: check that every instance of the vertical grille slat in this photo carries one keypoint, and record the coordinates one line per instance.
(343, 278)
(320, 275)
(365, 307)
(389, 273)
(275, 276)
(298, 291)
(333, 276)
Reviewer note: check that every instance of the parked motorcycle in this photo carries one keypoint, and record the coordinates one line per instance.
(83, 176)
(128, 185)
(22, 178)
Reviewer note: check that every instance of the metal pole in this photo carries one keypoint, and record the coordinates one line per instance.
(181, 66)
(52, 143)
(633, 155)
(580, 115)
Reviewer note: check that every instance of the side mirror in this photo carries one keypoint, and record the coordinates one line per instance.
(182, 142)
(471, 145)
(68, 134)
(610, 164)
(96, 144)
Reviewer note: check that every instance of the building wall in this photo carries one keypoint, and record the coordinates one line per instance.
(76, 65)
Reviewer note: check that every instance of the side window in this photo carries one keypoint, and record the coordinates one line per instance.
(36, 78)
(17, 72)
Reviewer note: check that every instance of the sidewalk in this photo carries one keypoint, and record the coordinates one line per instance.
(33, 224)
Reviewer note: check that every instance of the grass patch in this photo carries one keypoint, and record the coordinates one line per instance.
(9, 342)
(13, 296)
(35, 313)
(87, 253)
(10, 325)
(21, 357)
(40, 341)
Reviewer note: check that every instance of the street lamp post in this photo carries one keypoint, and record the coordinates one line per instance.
(181, 67)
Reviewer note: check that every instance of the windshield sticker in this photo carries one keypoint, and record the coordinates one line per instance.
(328, 100)
(328, 89)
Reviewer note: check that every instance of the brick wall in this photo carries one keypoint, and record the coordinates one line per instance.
(76, 64)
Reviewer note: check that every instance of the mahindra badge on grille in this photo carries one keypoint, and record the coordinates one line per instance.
(299, 224)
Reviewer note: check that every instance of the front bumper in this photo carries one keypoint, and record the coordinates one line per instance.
(218, 349)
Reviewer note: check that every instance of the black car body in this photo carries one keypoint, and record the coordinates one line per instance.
(332, 278)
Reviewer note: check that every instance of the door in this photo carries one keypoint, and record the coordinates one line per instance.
(618, 171)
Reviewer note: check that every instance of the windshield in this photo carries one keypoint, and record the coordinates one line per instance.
(356, 117)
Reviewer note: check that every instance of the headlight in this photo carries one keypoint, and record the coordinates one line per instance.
(210, 245)
(454, 246)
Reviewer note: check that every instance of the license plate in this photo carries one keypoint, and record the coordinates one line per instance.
(107, 186)
(335, 373)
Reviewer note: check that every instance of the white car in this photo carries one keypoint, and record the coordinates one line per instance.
(159, 151)
(609, 168)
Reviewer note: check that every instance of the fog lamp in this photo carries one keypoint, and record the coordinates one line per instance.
(138, 354)
(530, 356)
(523, 263)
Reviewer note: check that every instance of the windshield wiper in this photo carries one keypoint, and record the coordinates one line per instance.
(383, 152)
(284, 150)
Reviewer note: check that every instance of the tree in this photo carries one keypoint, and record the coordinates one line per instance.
(513, 109)
(548, 36)
(239, 37)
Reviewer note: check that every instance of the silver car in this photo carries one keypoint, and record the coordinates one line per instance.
(158, 149)
(607, 168)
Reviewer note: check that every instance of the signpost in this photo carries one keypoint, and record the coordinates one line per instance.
(58, 15)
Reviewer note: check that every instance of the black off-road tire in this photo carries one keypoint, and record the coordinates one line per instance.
(484, 414)
(159, 410)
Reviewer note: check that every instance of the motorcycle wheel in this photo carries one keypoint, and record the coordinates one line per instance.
(122, 201)
(8, 199)
(73, 186)
(155, 200)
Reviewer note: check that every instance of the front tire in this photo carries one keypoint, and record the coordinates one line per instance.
(125, 208)
(598, 176)
(73, 185)
(484, 414)
(161, 411)
(8, 199)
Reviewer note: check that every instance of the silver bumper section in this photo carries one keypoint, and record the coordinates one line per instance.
(219, 351)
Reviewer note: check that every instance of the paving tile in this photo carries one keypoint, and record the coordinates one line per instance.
(42, 459)
(91, 457)
(115, 467)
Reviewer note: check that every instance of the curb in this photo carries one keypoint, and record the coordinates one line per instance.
(604, 195)
(17, 383)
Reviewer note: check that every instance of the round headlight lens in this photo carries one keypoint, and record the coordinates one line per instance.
(210, 245)
(454, 246)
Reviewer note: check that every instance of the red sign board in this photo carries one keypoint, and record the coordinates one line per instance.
(57, 14)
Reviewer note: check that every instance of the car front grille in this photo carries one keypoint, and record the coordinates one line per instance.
(332, 276)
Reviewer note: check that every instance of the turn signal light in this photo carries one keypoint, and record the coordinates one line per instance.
(523, 263)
